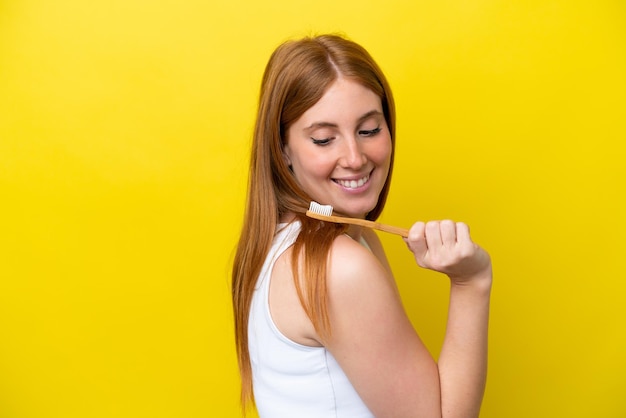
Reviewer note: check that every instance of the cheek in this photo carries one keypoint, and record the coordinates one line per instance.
(381, 154)
(318, 168)
(311, 167)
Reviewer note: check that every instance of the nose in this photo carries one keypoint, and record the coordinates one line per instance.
(353, 156)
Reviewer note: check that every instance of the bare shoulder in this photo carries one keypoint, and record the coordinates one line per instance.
(349, 259)
(376, 246)
(372, 338)
(359, 281)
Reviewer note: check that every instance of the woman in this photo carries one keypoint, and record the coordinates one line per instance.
(320, 327)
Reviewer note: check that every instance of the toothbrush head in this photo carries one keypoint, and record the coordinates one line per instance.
(326, 210)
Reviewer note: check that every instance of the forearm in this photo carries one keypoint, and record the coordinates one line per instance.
(463, 360)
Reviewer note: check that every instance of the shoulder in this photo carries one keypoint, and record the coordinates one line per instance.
(376, 246)
(371, 337)
(350, 263)
(358, 281)
(350, 253)
(349, 258)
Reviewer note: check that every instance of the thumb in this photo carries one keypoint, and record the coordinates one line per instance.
(416, 241)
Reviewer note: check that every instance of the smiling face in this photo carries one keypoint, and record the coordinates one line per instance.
(340, 148)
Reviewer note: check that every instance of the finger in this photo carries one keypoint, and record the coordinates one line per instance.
(416, 240)
(433, 235)
(448, 233)
(462, 233)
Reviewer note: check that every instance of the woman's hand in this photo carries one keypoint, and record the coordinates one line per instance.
(446, 247)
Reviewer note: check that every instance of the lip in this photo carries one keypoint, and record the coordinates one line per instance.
(354, 184)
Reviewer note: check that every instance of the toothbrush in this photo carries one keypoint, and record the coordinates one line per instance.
(325, 213)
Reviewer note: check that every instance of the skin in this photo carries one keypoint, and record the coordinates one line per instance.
(372, 337)
(341, 139)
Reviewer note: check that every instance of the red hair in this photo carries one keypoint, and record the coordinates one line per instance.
(296, 77)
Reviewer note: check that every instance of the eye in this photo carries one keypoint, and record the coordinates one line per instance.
(370, 132)
(321, 142)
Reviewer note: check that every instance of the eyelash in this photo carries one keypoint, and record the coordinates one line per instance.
(326, 141)
(322, 142)
(371, 132)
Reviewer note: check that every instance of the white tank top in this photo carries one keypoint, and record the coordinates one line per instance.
(291, 380)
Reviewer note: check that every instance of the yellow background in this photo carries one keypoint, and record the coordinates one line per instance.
(124, 133)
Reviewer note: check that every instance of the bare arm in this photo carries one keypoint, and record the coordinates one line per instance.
(463, 359)
(374, 341)
(376, 345)
(446, 247)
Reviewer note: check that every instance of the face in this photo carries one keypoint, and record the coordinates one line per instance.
(340, 149)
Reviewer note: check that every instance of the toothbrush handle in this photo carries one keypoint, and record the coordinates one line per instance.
(361, 222)
(391, 229)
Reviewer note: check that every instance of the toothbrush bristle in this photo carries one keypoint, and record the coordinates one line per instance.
(326, 210)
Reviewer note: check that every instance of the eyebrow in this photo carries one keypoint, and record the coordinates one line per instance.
(365, 116)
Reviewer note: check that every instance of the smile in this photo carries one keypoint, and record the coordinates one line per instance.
(353, 184)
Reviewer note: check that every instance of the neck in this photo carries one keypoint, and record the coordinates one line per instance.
(355, 232)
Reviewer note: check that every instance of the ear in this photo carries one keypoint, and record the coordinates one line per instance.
(286, 155)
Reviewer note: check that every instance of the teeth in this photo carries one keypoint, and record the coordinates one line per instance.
(353, 184)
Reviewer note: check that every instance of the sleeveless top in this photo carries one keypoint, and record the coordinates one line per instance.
(292, 380)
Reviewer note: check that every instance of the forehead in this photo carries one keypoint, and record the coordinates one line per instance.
(345, 100)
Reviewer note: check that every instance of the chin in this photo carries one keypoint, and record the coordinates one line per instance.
(357, 212)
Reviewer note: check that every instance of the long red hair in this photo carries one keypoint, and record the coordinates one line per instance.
(297, 75)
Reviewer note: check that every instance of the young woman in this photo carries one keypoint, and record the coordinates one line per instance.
(320, 326)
